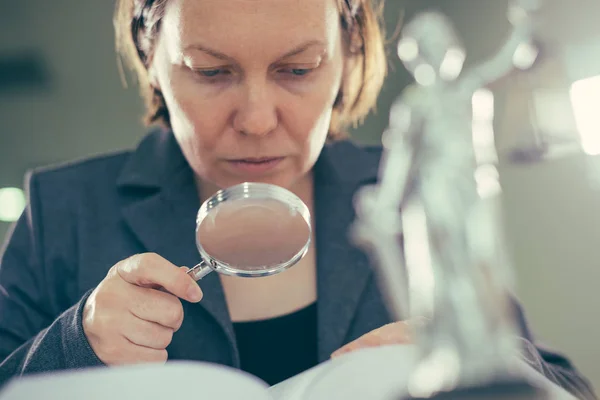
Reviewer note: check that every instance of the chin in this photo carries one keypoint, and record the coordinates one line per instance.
(286, 174)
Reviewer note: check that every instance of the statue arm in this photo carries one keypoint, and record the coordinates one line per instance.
(499, 65)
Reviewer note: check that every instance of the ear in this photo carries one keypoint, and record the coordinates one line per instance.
(356, 42)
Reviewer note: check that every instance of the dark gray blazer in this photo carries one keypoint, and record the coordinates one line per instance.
(84, 217)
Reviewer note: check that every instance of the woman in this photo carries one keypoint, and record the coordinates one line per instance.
(244, 91)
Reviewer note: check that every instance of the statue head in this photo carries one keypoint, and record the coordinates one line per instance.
(430, 48)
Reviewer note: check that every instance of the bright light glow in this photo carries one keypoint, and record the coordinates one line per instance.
(483, 105)
(425, 75)
(12, 204)
(585, 97)
(453, 64)
(488, 181)
(484, 144)
(483, 127)
(408, 49)
(516, 14)
(525, 56)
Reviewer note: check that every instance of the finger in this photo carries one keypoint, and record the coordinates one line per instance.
(156, 306)
(123, 352)
(151, 270)
(352, 346)
(134, 354)
(148, 334)
(393, 333)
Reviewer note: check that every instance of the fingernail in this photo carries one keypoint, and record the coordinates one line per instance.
(194, 293)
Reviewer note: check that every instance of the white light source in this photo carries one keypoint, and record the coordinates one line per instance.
(425, 75)
(483, 106)
(483, 127)
(585, 97)
(453, 64)
(408, 49)
(12, 203)
(525, 56)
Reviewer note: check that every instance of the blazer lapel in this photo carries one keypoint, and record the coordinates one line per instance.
(343, 269)
(163, 216)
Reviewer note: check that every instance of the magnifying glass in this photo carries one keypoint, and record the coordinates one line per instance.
(251, 230)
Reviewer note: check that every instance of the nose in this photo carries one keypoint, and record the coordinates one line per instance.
(257, 111)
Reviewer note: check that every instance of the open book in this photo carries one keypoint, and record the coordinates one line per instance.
(374, 374)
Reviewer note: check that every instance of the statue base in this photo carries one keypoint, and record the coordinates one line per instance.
(503, 390)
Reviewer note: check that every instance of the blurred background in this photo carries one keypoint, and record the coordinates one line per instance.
(62, 98)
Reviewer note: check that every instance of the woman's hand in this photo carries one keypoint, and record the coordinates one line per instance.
(132, 314)
(394, 333)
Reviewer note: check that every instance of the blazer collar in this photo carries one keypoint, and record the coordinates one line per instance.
(157, 158)
(343, 269)
(162, 203)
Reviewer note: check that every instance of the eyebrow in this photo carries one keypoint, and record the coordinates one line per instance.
(222, 56)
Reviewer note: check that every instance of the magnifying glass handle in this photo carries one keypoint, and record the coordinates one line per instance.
(199, 271)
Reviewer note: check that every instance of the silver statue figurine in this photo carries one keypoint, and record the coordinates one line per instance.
(442, 257)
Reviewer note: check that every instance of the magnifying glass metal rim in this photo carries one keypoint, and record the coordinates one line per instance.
(254, 190)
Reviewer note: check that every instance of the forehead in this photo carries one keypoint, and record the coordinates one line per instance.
(255, 23)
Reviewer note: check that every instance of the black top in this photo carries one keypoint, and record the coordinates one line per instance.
(278, 348)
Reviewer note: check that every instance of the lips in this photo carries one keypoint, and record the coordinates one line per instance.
(256, 160)
(255, 165)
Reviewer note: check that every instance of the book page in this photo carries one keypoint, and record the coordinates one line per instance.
(379, 373)
(172, 381)
(376, 374)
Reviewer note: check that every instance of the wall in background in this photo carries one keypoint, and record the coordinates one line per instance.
(83, 109)
(552, 215)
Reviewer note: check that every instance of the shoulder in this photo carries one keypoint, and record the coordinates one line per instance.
(101, 167)
(100, 171)
(67, 182)
(88, 181)
(64, 197)
(58, 194)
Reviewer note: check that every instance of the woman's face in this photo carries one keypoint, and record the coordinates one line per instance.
(250, 85)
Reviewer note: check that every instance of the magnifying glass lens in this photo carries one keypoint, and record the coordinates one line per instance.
(251, 234)
(251, 230)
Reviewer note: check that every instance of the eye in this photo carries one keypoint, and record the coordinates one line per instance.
(211, 73)
(296, 72)
(300, 71)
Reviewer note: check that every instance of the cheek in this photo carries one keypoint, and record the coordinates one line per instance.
(204, 113)
(198, 120)
(196, 116)
(310, 115)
